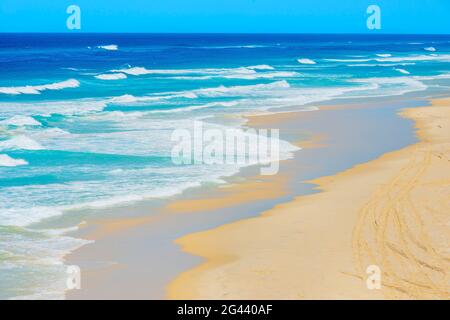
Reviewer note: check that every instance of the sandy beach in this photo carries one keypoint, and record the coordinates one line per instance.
(139, 250)
(392, 212)
(136, 251)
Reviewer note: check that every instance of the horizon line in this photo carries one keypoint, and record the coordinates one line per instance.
(225, 33)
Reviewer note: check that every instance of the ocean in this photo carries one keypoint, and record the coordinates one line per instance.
(86, 119)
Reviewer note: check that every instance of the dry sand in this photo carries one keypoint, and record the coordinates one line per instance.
(393, 212)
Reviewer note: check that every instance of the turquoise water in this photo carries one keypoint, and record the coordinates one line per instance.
(86, 120)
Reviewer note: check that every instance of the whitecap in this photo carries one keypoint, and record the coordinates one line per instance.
(261, 67)
(111, 76)
(71, 83)
(243, 76)
(208, 73)
(430, 57)
(110, 47)
(348, 60)
(21, 121)
(265, 75)
(241, 90)
(137, 71)
(205, 92)
(431, 49)
(20, 143)
(384, 55)
(381, 64)
(204, 106)
(62, 107)
(442, 76)
(402, 71)
(130, 99)
(7, 161)
(50, 133)
(126, 98)
(306, 61)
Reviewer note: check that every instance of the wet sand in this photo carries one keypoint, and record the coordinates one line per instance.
(136, 252)
(392, 212)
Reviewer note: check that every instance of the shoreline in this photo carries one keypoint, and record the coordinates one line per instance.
(308, 248)
(137, 252)
(91, 187)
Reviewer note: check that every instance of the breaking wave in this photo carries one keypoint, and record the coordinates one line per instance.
(7, 161)
(306, 61)
(71, 83)
(111, 76)
(20, 143)
(110, 47)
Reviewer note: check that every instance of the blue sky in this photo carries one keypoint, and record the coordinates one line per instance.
(246, 16)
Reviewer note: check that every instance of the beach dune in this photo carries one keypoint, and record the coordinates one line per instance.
(392, 213)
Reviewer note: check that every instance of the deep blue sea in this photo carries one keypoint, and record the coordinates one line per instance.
(86, 119)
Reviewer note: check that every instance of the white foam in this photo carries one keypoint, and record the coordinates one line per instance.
(384, 55)
(126, 98)
(261, 67)
(198, 107)
(249, 73)
(206, 92)
(381, 64)
(409, 58)
(188, 95)
(416, 58)
(265, 75)
(241, 90)
(402, 71)
(71, 83)
(348, 60)
(59, 232)
(135, 71)
(431, 49)
(21, 121)
(306, 61)
(130, 99)
(110, 47)
(443, 76)
(21, 217)
(7, 161)
(111, 76)
(20, 143)
(243, 76)
(50, 133)
(393, 86)
(250, 46)
(63, 107)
